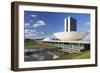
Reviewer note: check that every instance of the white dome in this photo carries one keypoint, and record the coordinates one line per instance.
(70, 36)
(47, 39)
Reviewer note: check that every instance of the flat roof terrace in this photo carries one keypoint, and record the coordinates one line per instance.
(80, 41)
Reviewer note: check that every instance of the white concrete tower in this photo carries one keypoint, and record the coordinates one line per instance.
(65, 25)
(70, 24)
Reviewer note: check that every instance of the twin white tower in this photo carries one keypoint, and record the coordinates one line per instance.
(70, 24)
(70, 31)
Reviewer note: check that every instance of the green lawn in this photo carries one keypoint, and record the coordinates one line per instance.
(82, 55)
(29, 45)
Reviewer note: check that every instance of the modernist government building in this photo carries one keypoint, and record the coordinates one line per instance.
(70, 40)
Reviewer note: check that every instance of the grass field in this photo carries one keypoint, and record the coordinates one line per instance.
(29, 45)
(81, 55)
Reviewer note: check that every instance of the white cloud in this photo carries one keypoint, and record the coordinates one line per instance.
(42, 33)
(87, 23)
(29, 31)
(33, 15)
(39, 23)
(32, 34)
(35, 25)
(27, 24)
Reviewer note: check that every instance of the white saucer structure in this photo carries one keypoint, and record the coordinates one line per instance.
(70, 36)
(70, 31)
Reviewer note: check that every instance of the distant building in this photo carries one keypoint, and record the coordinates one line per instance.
(70, 24)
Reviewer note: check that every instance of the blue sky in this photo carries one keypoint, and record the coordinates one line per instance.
(44, 24)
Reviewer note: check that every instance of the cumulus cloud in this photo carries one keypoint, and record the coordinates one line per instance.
(35, 25)
(32, 34)
(42, 32)
(27, 24)
(29, 31)
(39, 23)
(33, 15)
(87, 23)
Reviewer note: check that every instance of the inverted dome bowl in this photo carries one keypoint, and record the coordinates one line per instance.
(70, 36)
